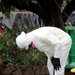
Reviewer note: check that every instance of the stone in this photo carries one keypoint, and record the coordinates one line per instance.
(28, 71)
(17, 72)
(6, 71)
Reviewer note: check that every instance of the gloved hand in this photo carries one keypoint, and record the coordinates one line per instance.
(56, 63)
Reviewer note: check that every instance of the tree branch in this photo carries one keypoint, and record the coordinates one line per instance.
(70, 7)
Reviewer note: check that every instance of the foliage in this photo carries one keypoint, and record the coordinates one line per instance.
(6, 5)
(10, 54)
(67, 0)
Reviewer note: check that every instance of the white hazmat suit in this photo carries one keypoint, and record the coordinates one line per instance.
(53, 41)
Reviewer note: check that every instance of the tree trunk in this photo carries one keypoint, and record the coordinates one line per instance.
(46, 5)
(52, 9)
(56, 11)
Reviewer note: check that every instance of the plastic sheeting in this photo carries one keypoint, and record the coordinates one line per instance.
(21, 18)
(72, 18)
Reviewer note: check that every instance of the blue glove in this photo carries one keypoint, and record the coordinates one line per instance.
(56, 63)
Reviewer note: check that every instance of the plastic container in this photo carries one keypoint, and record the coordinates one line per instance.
(71, 58)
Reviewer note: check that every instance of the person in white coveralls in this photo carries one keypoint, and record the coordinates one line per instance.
(54, 42)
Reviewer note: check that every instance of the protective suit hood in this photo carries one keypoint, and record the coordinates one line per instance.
(22, 41)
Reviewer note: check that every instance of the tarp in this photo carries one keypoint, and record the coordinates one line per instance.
(72, 18)
(21, 18)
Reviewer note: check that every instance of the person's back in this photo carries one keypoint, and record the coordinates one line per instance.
(46, 31)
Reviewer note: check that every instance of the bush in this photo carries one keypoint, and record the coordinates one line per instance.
(10, 54)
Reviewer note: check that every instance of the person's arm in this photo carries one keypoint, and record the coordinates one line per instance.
(55, 42)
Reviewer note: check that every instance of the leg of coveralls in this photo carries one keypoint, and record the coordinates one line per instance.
(50, 66)
(63, 59)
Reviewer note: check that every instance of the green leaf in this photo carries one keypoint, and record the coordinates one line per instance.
(0, 1)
